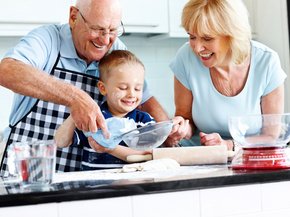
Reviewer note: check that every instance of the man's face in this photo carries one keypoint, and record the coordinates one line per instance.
(94, 31)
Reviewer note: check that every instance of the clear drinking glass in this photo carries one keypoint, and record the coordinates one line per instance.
(35, 162)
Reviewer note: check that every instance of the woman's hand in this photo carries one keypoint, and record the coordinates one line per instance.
(214, 139)
(181, 129)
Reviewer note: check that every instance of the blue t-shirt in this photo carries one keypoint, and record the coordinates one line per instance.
(92, 160)
(40, 49)
(210, 109)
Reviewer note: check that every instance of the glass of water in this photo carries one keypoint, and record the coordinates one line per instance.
(35, 162)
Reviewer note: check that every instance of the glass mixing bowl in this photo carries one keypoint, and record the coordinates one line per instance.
(148, 137)
(263, 141)
(261, 130)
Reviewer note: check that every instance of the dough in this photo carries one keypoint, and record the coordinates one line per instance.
(152, 165)
(160, 164)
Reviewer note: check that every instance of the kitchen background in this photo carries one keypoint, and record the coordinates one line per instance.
(153, 33)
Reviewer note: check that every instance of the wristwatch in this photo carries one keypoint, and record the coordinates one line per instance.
(234, 145)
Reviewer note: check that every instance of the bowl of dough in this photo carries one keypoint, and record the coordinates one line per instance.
(149, 136)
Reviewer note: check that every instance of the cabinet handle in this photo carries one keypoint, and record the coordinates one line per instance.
(141, 25)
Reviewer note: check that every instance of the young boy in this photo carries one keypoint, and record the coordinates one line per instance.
(121, 82)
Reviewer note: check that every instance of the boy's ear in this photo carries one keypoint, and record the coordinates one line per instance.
(102, 88)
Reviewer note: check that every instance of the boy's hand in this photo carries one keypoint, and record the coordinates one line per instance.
(98, 148)
(179, 131)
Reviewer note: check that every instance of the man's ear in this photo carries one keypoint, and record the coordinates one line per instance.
(102, 88)
(72, 16)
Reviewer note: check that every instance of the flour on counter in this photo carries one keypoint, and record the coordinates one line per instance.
(157, 175)
(152, 165)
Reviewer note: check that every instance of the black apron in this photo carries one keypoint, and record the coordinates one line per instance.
(45, 117)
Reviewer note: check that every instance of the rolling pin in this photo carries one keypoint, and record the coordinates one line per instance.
(196, 155)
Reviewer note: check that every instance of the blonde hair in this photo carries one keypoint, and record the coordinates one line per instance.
(220, 17)
(114, 59)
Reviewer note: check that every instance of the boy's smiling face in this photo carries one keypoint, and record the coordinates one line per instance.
(123, 88)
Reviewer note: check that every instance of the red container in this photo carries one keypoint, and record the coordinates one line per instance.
(267, 158)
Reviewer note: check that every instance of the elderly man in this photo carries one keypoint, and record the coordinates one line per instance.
(54, 70)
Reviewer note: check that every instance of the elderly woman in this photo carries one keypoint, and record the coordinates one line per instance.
(221, 72)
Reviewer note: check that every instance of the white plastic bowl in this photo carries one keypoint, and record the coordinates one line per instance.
(148, 137)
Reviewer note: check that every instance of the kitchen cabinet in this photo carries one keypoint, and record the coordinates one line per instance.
(200, 191)
(111, 207)
(172, 204)
(251, 200)
(271, 28)
(43, 210)
(251, 6)
(175, 8)
(145, 16)
(19, 17)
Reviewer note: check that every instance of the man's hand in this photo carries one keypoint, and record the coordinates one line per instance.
(87, 115)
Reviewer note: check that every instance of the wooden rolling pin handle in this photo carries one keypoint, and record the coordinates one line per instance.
(188, 155)
(194, 155)
(139, 158)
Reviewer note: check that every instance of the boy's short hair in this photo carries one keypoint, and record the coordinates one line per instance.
(116, 58)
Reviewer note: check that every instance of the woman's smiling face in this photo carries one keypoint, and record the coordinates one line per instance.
(213, 51)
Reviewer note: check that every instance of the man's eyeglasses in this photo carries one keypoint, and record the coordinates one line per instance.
(119, 31)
